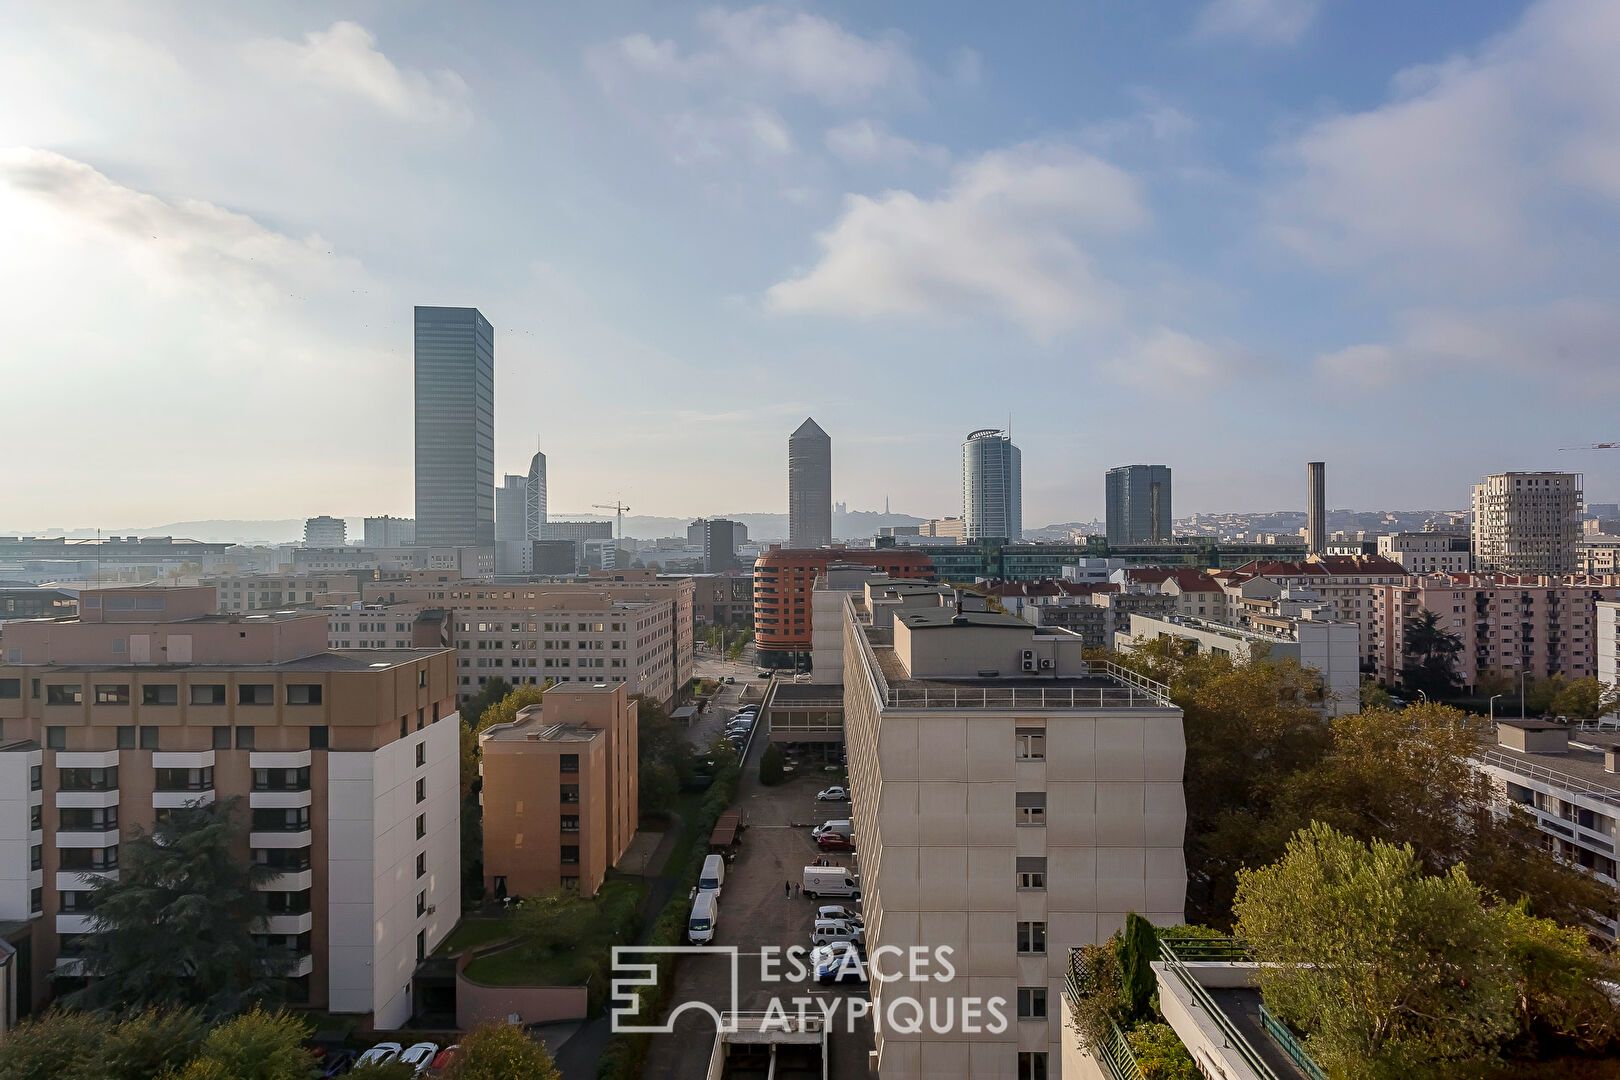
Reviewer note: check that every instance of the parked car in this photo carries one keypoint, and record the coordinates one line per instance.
(383, 1051)
(834, 842)
(834, 911)
(839, 826)
(730, 680)
(828, 931)
(839, 961)
(763, 674)
(832, 794)
(337, 1062)
(446, 1056)
(419, 1055)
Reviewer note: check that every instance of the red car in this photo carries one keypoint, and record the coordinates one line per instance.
(834, 842)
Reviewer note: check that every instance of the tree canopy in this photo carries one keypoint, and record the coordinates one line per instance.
(501, 1052)
(1430, 660)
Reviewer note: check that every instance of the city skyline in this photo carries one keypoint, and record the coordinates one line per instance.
(163, 263)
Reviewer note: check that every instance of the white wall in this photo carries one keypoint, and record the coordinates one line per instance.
(372, 848)
(16, 880)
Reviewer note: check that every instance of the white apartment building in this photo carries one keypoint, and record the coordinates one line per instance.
(325, 532)
(1606, 641)
(1345, 581)
(1009, 800)
(270, 592)
(1527, 522)
(1426, 553)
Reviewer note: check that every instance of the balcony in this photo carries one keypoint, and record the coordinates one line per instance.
(87, 800)
(74, 923)
(182, 759)
(300, 837)
(289, 881)
(82, 880)
(289, 924)
(280, 800)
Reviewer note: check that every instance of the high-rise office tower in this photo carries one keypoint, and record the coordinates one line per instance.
(388, 531)
(535, 501)
(1527, 522)
(719, 544)
(455, 427)
(325, 532)
(512, 508)
(992, 487)
(1138, 504)
(809, 487)
(1316, 507)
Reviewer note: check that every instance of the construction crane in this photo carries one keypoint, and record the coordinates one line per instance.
(619, 510)
(1594, 446)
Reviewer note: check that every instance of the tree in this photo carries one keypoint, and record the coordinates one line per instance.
(1139, 947)
(1160, 1054)
(658, 787)
(176, 927)
(1430, 656)
(772, 766)
(1389, 972)
(505, 710)
(257, 1045)
(1374, 696)
(149, 1043)
(1586, 699)
(501, 1052)
(489, 694)
(1099, 1006)
(58, 1045)
(382, 1070)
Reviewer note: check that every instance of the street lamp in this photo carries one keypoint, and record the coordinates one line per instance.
(1493, 707)
(1522, 673)
(1422, 695)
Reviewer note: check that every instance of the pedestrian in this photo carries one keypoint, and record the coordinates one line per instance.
(787, 890)
(795, 890)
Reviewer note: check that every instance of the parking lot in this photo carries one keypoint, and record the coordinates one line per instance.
(754, 913)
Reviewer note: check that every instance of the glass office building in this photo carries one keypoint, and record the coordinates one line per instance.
(455, 427)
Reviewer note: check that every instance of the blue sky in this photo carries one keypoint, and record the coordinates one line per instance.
(1228, 235)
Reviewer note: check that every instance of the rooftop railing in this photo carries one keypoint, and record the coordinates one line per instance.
(1233, 1038)
(1551, 777)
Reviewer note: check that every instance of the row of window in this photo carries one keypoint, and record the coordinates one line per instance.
(148, 737)
(166, 693)
(550, 628)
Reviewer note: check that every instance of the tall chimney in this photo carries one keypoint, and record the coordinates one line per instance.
(1315, 507)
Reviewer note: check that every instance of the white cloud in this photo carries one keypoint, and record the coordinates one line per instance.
(1475, 172)
(769, 50)
(1367, 366)
(1163, 357)
(1005, 234)
(1258, 22)
(867, 142)
(344, 58)
(696, 135)
(967, 68)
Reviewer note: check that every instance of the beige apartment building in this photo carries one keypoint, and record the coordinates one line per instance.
(346, 763)
(1344, 581)
(560, 792)
(1539, 626)
(1426, 552)
(1009, 801)
(1527, 522)
(386, 626)
(268, 592)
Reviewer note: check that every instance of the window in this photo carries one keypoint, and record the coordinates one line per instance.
(35, 777)
(421, 864)
(256, 694)
(570, 854)
(222, 737)
(318, 737)
(149, 737)
(284, 860)
(56, 737)
(183, 779)
(421, 903)
(289, 819)
(1031, 744)
(304, 694)
(162, 694)
(1031, 872)
(112, 693)
(1032, 1003)
(70, 902)
(244, 738)
(36, 819)
(87, 779)
(64, 694)
(88, 860)
(287, 903)
(568, 763)
(570, 793)
(421, 826)
(126, 736)
(1032, 938)
(1031, 1065)
(421, 754)
(1030, 807)
(421, 719)
(421, 789)
(88, 818)
(36, 900)
(208, 694)
(36, 855)
(10, 688)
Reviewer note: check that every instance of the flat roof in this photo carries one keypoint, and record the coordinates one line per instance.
(947, 617)
(332, 660)
(1582, 764)
(895, 672)
(537, 730)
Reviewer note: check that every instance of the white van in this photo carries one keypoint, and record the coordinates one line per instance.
(713, 875)
(705, 915)
(830, 881)
(839, 827)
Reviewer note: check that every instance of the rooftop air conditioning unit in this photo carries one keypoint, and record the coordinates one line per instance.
(1048, 665)
(1029, 662)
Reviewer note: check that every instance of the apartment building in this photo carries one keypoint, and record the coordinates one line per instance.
(1606, 640)
(784, 578)
(1565, 780)
(386, 626)
(1538, 626)
(1527, 522)
(1427, 552)
(346, 762)
(268, 592)
(1009, 800)
(325, 532)
(560, 792)
(725, 599)
(1345, 581)
(1598, 555)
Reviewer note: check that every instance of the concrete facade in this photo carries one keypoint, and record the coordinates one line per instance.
(809, 486)
(1527, 522)
(1426, 552)
(324, 531)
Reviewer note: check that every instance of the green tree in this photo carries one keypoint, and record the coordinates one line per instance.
(513, 702)
(1431, 654)
(57, 1045)
(490, 693)
(1559, 981)
(175, 928)
(151, 1042)
(1389, 972)
(1160, 1055)
(772, 766)
(1100, 1005)
(658, 788)
(382, 1070)
(501, 1052)
(257, 1045)
(1374, 696)
(1585, 699)
(1139, 947)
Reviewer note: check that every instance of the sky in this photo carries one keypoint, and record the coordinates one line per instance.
(1230, 236)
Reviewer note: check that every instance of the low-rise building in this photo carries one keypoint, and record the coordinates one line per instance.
(560, 796)
(389, 532)
(271, 592)
(1427, 552)
(1598, 554)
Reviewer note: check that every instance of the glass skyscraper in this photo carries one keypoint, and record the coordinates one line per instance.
(1138, 504)
(535, 506)
(809, 487)
(992, 487)
(455, 427)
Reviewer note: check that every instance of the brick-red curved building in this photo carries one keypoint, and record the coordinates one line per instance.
(783, 578)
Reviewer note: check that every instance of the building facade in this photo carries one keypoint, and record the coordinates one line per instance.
(455, 426)
(719, 544)
(512, 508)
(1427, 552)
(992, 487)
(534, 505)
(325, 531)
(1316, 507)
(560, 796)
(1009, 801)
(269, 592)
(1137, 501)
(1527, 523)
(347, 766)
(389, 532)
(809, 487)
(784, 579)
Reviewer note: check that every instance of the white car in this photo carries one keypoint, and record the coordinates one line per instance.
(383, 1051)
(833, 911)
(419, 1055)
(838, 962)
(832, 794)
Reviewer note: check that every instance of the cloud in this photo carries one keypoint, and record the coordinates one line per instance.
(866, 142)
(1164, 357)
(709, 135)
(1484, 170)
(1004, 235)
(1265, 23)
(769, 50)
(344, 59)
(967, 68)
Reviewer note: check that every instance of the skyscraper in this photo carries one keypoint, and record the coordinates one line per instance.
(512, 508)
(535, 503)
(455, 427)
(1315, 507)
(809, 487)
(1527, 522)
(719, 544)
(1138, 504)
(992, 487)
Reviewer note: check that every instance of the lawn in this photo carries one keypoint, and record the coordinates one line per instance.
(474, 931)
(571, 948)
